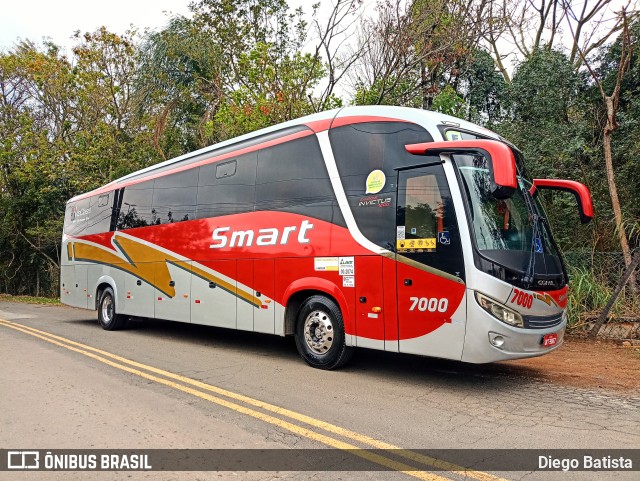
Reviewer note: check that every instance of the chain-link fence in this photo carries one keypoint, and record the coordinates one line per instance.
(593, 278)
(605, 267)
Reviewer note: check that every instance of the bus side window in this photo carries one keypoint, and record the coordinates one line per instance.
(136, 206)
(292, 177)
(98, 219)
(362, 149)
(227, 188)
(174, 197)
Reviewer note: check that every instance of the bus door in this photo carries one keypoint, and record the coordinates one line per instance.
(429, 265)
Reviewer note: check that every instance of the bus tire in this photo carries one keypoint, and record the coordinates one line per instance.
(107, 316)
(320, 336)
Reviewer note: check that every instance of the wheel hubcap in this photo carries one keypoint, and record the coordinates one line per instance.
(318, 332)
(107, 309)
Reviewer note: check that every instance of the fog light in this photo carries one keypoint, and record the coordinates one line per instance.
(496, 340)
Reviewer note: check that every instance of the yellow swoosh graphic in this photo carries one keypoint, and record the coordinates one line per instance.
(150, 264)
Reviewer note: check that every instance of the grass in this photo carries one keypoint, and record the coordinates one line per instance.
(588, 295)
(31, 299)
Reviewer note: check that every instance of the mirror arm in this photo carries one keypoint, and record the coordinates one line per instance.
(579, 190)
(502, 162)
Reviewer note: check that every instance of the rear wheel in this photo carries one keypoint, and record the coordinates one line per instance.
(107, 316)
(320, 336)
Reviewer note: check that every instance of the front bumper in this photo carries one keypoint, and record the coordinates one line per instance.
(518, 342)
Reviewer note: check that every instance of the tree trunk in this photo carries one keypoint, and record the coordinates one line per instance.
(423, 79)
(613, 191)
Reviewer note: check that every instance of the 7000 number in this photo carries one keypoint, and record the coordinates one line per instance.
(432, 305)
(522, 298)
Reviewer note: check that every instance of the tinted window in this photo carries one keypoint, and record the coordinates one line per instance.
(174, 197)
(89, 216)
(227, 194)
(100, 216)
(426, 218)
(454, 135)
(292, 177)
(361, 149)
(136, 207)
(228, 149)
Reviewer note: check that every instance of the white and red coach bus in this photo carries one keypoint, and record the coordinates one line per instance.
(380, 227)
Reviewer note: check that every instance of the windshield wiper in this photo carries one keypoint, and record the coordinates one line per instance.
(536, 237)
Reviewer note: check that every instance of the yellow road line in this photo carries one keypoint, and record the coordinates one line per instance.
(364, 439)
(299, 430)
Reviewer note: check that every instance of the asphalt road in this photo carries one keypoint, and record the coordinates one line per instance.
(167, 385)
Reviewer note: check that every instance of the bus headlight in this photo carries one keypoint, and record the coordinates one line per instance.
(499, 311)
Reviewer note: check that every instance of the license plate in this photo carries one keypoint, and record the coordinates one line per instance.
(550, 340)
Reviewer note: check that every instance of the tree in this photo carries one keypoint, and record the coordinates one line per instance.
(523, 27)
(483, 88)
(547, 118)
(611, 104)
(66, 127)
(180, 85)
(414, 49)
(34, 123)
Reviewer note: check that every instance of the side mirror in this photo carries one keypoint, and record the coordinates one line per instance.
(580, 191)
(501, 161)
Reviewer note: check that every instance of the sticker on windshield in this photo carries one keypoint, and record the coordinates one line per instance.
(375, 182)
(408, 245)
(400, 232)
(443, 238)
(537, 242)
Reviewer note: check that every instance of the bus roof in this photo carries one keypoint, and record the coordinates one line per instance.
(317, 122)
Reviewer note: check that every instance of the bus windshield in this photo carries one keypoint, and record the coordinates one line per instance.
(501, 225)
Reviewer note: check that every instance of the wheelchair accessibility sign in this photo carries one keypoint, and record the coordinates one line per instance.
(443, 238)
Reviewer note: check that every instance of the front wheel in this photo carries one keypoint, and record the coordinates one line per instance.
(320, 336)
(107, 316)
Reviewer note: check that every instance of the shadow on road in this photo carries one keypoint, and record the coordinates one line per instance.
(376, 364)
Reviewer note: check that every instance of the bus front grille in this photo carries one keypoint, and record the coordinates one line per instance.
(542, 322)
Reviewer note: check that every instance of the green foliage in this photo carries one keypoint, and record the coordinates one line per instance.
(589, 292)
(389, 91)
(626, 139)
(586, 295)
(123, 102)
(179, 86)
(547, 117)
(234, 67)
(66, 128)
(484, 89)
(29, 299)
(449, 102)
